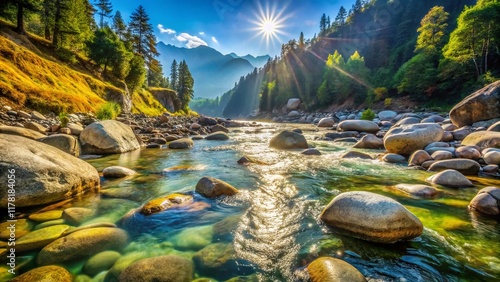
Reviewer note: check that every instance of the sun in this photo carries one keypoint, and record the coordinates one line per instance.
(269, 23)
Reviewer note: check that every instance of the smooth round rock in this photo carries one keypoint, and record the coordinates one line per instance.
(50, 273)
(450, 178)
(220, 136)
(487, 201)
(293, 114)
(63, 142)
(211, 187)
(108, 137)
(159, 269)
(101, 262)
(356, 155)
(194, 126)
(326, 122)
(483, 139)
(23, 227)
(370, 141)
(218, 127)
(468, 152)
(495, 127)
(40, 238)
(442, 155)
(387, 115)
(183, 143)
(117, 172)
(46, 216)
(359, 126)
(407, 139)
(371, 217)
(419, 157)
(417, 190)
(293, 103)
(77, 215)
(21, 131)
(288, 140)
(44, 174)
(311, 152)
(492, 158)
(394, 158)
(464, 166)
(327, 269)
(214, 257)
(82, 244)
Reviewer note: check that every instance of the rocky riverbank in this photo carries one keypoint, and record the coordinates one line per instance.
(46, 158)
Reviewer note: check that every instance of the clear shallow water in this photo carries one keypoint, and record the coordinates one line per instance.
(274, 220)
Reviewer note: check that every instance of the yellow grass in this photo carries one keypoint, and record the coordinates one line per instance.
(144, 102)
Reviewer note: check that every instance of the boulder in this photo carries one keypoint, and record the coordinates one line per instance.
(407, 139)
(169, 268)
(293, 103)
(419, 157)
(75, 129)
(417, 190)
(183, 143)
(468, 152)
(21, 131)
(356, 155)
(461, 133)
(372, 217)
(326, 122)
(483, 139)
(359, 126)
(219, 127)
(480, 105)
(101, 262)
(194, 126)
(44, 174)
(48, 273)
(387, 115)
(464, 166)
(46, 215)
(206, 121)
(327, 269)
(221, 136)
(394, 158)
(211, 187)
(38, 116)
(289, 140)
(108, 137)
(450, 178)
(370, 141)
(293, 114)
(36, 127)
(63, 142)
(408, 121)
(487, 201)
(77, 215)
(117, 172)
(82, 244)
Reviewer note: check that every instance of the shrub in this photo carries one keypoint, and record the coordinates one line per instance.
(368, 114)
(380, 93)
(387, 102)
(109, 110)
(63, 118)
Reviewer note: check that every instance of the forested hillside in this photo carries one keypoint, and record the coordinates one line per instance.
(432, 51)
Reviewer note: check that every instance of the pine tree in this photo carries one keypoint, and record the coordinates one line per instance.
(341, 17)
(432, 30)
(21, 6)
(174, 76)
(119, 26)
(186, 83)
(322, 24)
(301, 43)
(105, 8)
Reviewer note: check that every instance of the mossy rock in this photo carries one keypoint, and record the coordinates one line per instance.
(40, 238)
(46, 216)
(48, 273)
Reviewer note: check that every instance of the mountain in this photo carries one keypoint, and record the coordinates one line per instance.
(213, 72)
(258, 61)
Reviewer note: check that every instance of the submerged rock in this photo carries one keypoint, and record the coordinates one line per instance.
(327, 269)
(45, 274)
(311, 152)
(417, 190)
(487, 201)
(183, 143)
(371, 217)
(356, 155)
(407, 139)
(219, 260)
(289, 140)
(165, 203)
(211, 187)
(77, 215)
(44, 174)
(108, 137)
(450, 178)
(82, 244)
(159, 269)
(101, 262)
(40, 238)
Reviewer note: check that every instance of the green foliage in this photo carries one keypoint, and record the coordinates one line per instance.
(185, 85)
(367, 114)
(418, 77)
(143, 37)
(387, 102)
(380, 93)
(137, 75)
(63, 118)
(432, 30)
(106, 48)
(104, 10)
(109, 110)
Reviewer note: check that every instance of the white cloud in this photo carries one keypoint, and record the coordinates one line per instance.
(166, 30)
(214, 40)
(191, 40)
(202, 33)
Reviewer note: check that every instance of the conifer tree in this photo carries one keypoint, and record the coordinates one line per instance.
(105, 8)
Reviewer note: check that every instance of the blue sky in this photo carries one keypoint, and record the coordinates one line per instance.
(232, 25)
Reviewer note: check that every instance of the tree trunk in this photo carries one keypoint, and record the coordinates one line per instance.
(20, 18)
(57, 28)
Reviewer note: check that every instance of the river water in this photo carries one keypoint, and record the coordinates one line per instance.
(275, 231)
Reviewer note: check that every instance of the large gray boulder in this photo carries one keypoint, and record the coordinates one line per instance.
(21, 131)
(481, 105)
(487, 201)
(169, 268)
(464, 166)
(63, 142)
(359, 126)
(43, 174)
(371, 217)
(483, 139)
(289, 140)
(407, 139)
(108, 137)
(293, 103)
(450, 178)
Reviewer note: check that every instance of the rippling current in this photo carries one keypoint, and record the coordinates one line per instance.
(273, 225)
